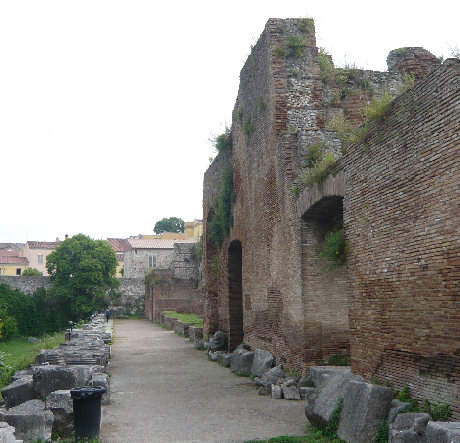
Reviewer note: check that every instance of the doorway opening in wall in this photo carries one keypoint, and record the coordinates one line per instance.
(235, 295)
(326, 288)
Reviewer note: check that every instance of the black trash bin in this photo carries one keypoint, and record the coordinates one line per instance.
(87, 411)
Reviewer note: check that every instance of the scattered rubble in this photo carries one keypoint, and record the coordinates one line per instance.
(80, 361)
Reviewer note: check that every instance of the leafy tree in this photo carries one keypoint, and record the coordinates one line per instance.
(82, 271)
(171, 224)
(31, 272)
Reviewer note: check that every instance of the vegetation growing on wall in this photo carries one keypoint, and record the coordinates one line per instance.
(224, 141)
(320, 170)
(248, 126)
(326, 67)
(334, 247)
(220, 224)
(296, 46)
(306, 25)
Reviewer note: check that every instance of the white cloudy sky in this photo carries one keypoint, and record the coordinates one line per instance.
(106, 106)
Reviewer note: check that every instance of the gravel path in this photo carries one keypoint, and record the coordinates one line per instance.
(163, 390)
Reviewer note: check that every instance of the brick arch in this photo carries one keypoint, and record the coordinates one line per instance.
(235, 294)
(325, 291)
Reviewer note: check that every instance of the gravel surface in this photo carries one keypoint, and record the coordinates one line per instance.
(163, 390)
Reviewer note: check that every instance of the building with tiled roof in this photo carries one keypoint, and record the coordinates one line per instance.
(37, 251)
(11, 263)
(120, 246)
(148, 254)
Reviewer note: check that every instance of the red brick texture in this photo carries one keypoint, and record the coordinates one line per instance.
(394, 305)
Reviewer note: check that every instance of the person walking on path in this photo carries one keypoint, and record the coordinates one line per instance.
(107, 315)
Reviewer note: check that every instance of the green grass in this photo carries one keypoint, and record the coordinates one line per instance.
(19, 353)
(186, 318)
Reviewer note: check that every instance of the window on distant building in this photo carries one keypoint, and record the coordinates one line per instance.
(18, 271)
(40, 259)
(152, 262)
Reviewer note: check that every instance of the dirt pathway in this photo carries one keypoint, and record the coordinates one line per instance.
(163, 390)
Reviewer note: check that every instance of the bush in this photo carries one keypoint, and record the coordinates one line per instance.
(296, 46)
(320, 170)
(339, 360)
(9, 326)
(31, 272)
(326, 67)
(379, 107)
(334, 247)
(223, 142)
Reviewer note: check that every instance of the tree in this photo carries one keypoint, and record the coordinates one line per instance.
(31, 272)
(171, 224)
(83, 271)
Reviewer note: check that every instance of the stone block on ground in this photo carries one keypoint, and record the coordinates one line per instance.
(195, 333)
(319, 407)
(396, 407)
(364, 407)
(241, 360)
(264, 390)
(7, 433)
(290, 392)
(277, 392)
(272, 376)
(218, 342)
(30, 420)
(60, 404)
(306, 392)
(18, 392)
(199, 344)
(443, 432)
(263, 361)
(226, 360)
(409, 428)
(52, 378)
(317, 371)
(103, 381)
(24, 373)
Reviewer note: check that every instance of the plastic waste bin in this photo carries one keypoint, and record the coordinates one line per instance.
(87, 411)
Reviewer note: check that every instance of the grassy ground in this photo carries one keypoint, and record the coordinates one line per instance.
(312, 435)
(186, 318)
(19, 353)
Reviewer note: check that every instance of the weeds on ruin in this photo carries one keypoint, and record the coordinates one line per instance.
(326, 67)
(223, 142)
(220, 224)
(339, 360)
(314, 154)
(334, 248)
(280, 51)
(248, 126)
(306, 25)
(383, 432)
(296, 46)
(333, 423)
(296, 190)
(379, 107)
(320, 171)
(240, 115)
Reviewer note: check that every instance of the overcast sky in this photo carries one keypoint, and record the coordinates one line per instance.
(106, 107)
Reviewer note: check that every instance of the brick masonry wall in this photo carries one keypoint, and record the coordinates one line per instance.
(394, 304)
(168, 293)
(402, 212)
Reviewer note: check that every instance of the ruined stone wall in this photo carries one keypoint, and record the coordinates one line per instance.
(130, 297)
(136, 261)
(185, 263)
(27, 285)
(402, 212)
(164, 292)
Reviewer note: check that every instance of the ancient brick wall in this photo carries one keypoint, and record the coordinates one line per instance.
(394, 303)
(402, 212)
(164, 292)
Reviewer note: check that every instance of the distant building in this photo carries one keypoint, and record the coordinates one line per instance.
(120, 246)
(37, 251)
(148, 254)
(192, 229)
(11, 263)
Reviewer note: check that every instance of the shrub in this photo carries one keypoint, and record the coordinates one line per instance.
(248, 126)
(223, 219)
(383, 433)
(306, 25)
(334, 247)
(339, 360)
(296, 46)
(223, 142)
(379, 107)
(320, 170)
(9, 326)
(333, 424)
(314, 154)
(296, 190)
(326, 67)
(437, 411)
(280, 51)
(31, 272)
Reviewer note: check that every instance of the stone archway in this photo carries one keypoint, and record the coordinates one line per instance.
(235, 295)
